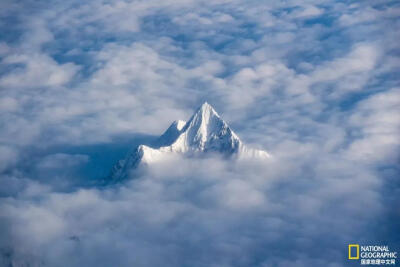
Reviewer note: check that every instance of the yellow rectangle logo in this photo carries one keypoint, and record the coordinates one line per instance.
(357, 249)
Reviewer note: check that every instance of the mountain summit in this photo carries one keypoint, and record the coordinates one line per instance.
(204, 132)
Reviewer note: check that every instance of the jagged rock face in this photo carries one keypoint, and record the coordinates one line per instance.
(204, 132)
(170, 135)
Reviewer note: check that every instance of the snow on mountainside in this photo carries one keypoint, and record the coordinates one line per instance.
(204, 132)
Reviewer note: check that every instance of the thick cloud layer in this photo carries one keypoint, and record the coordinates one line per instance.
(314, 83)
(206, 213)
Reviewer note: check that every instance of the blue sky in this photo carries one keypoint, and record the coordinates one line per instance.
(315, 83)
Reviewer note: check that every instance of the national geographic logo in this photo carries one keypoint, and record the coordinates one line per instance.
(357, 250)
(372, 255)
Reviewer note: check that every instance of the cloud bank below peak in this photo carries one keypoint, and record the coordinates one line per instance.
(80, 83)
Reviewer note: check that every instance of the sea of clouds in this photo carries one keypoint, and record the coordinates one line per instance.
(313, 83)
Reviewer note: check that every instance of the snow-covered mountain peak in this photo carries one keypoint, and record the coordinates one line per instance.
(204, 132)
(179, 124)
(171, 134)
(206, 109)
(204, 117)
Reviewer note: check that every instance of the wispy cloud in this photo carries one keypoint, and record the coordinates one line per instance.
(314, 83)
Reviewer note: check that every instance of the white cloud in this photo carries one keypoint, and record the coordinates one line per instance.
(376, 125)
(8, 104)
(217, 206)
(37, 70)
(215, 18)
(349, 73)
(307, 11)
(8, 157)
(77, 76)
(4, 49)
(366, 14)
(60, 161)
(361, 58)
